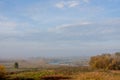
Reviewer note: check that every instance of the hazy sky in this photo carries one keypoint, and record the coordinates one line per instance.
(58, 27)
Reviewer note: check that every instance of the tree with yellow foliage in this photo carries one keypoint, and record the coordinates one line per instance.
(2, 72)
(106, 61)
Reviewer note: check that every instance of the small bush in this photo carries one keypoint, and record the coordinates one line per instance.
(2, 72)
(16, 65)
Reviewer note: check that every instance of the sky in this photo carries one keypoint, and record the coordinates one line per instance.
(50, 28)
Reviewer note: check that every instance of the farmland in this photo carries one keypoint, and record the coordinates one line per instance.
(40, 69)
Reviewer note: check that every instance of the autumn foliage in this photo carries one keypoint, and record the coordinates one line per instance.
(2, 72)
(106, 61)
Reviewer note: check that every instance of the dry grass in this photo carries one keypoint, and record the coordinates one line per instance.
(30, 75)
(98, 76)
(65, 73)
(56, 77)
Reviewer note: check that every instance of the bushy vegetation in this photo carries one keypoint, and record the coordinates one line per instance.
(2, 72)
(16, 65)
(106, 61)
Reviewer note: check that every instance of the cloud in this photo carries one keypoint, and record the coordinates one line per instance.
(7, 27)
(10, 28)
(60, 5)
(72, 31)
(108, 24)
(8, 24)
(67, 4)
(86, 1)
(70, 4)
(88, 31)
(73, 4)
(3, 17)
(67, 26)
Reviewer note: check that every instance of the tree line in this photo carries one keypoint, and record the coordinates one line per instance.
(106, 61)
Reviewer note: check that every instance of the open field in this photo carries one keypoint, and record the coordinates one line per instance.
(63, 73)
(98, 76)
(40, 69)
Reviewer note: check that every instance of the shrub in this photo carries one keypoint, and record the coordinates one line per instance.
(105, 61)
(16, 65)
(2, 72)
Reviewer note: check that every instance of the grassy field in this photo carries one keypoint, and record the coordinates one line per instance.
(55, 72)
(63, 73)
(98, 76)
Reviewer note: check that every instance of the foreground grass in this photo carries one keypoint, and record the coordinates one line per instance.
(98, 76)
(31, 74)
(65, 73)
